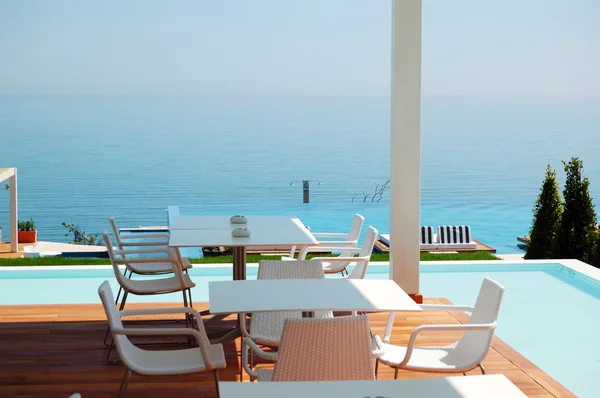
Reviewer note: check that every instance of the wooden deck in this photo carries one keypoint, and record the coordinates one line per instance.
(55, 350)
(382, 247)
(6, 253)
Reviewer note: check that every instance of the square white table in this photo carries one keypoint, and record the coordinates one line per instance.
(308, 295)
(488, 386)
(201, 231)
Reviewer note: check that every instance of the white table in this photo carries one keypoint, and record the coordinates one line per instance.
(201, 231)
(308, 295)
(488, 386)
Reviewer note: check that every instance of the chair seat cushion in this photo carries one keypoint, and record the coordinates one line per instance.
(171, 362)
(159, 285)
(440, 359)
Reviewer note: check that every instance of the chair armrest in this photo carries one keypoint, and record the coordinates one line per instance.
(329, 235)
(157, 332)
(156, 250)
(389, 327)
(147, 260)
(341, 259)
(249, 344)
(144, 236)
(140, 244)
(161, 311)
(325, 249)
(344, 243)
(270, 355)
(166, 311)
(446, 307)
(441, 328)
(377, 346)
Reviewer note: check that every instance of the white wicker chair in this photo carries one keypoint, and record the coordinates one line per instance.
(349, 239)
(266, 327)
(203, 357)
(461, 356)
(323, 350)
(333, 265)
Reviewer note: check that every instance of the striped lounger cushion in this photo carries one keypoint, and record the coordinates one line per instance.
(426, 235)
(454, 234)
(427, 239)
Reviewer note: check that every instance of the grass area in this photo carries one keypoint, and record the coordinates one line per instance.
(251, 258)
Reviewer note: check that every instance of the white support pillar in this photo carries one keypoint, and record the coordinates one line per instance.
(14, 213)
(405, 144)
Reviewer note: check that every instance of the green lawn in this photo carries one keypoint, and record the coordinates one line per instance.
(251, 258)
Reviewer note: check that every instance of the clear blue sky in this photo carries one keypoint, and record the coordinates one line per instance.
(294, 47)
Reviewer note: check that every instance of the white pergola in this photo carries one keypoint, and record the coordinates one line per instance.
(405, 144)
(10, 174)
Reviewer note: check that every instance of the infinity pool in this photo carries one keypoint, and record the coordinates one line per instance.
(549, 313)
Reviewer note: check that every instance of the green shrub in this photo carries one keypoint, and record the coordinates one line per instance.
(578, 230)
(547, 213)
(28, 225)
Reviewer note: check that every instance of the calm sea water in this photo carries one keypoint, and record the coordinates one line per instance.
(81, 159)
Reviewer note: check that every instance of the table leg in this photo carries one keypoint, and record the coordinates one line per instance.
(239, 263)
(239, 273)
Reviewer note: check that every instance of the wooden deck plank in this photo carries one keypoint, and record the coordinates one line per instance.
(55, 350)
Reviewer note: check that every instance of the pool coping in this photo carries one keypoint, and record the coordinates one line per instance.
(576, 265)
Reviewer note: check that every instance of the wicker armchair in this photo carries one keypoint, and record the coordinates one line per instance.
(323, 350)
(266, 327)
(461, 356)
(333, 265)
(349, 239)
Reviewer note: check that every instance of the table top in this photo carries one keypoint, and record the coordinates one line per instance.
(198, 231)
(308, 295)
(489, 386)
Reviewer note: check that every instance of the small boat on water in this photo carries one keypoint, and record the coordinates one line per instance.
(523, 242)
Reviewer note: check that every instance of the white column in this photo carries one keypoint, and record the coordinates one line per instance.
(14, 213)
(405, 144)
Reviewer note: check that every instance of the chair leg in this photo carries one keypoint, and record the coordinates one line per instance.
(216, 374)
(376, 368)
(395, 373)
(121, 287)
(482, 369)
(125, 382)
(125, 294)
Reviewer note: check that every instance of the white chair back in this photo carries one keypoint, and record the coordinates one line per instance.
(485, 311)
(281, 269)
(356, 227)
(360, 270)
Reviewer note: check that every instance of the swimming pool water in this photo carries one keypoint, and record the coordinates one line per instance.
(549, 312)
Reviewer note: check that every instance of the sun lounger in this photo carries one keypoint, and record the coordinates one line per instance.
(453, 237)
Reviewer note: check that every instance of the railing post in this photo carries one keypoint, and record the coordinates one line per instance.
(306, 191)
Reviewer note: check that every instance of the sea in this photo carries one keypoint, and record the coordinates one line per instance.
(81, 159)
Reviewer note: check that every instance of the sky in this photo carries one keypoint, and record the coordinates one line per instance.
(305, 48)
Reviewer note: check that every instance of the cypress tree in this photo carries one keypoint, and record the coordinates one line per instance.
(547, 212)
(578, 229)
